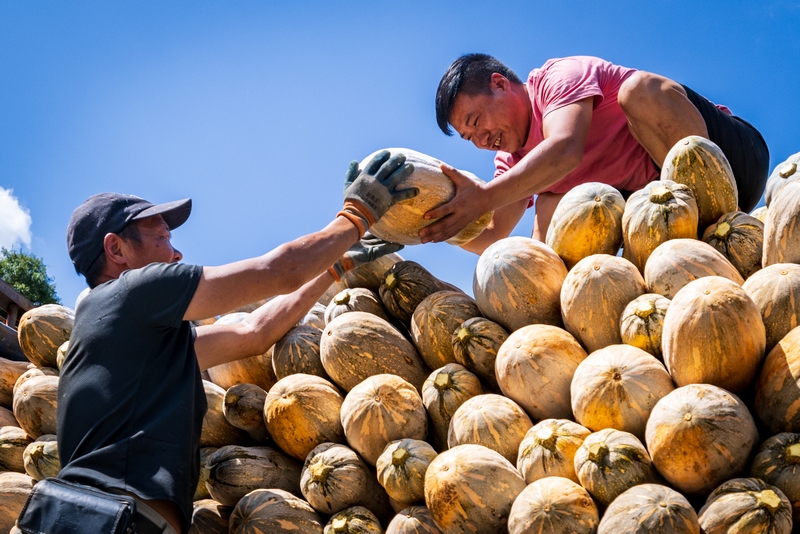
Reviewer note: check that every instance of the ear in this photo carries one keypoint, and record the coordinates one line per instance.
(499, 82)
(113, 248)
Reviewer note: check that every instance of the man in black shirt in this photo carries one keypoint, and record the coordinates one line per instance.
(131, 399)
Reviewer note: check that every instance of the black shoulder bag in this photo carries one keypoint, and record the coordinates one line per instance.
(59, 507)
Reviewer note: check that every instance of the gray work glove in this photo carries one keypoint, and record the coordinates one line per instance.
(369, 193)
(370, 248)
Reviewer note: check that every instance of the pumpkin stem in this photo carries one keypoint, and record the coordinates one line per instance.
(723, 229)
(661, 195)
(463, 334)
(546, 438)
(645, 309)
(443, 381)
(339, 524)
(320, 471)
(399, 457)
(390, 280)
(342, 297)
(788, 170)
(597, 452)
(768, 499)
(793, 454)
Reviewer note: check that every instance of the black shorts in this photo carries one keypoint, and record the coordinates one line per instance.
(742, 144)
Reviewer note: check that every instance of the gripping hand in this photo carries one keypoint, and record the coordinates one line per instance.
(370, 248)
(369, 193)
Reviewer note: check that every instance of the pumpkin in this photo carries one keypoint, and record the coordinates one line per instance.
(216, 430)
(548, 449)
(316, 315)
(713, 334)
(235, 471)
(354, 520)
(299, 352)
(30, 373)
(355, 299)
(274, 511)
(518, 282)
(61, 354)
(406, 284)
(553, 504)
(334, 478)
(358, 345)
(13, 441)
(617, 387)
(381, 409)
(370, 275)
(642, 323)
(475, 345)
(35, 405)
(781, 231)
(442, 393)
(471, 488)
(699, 436)
(650, 509)
(40, 458)
(760, 214)
(401, 469)
(402, 223)
(534, 368)
(610, 461)
(434, 321)
(493, 421)
(660, 211)
(7, 417)
(746, 505)
(256, 369)
(778, 386)
(782, 174)
(776, 292)
(201, 491)
(777, 463)
(587, 221)
(700, 164)
(594, 295)
(413, 520)
(243, 407)
(10, 371)
(42, 330)
(14, 491)
(209, 517)
(301, 412)
(677, 262)
(740, 238)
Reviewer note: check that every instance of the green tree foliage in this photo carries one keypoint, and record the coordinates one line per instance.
(27, 274)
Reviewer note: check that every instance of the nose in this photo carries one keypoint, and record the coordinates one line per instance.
(482, 140)
(176, 255)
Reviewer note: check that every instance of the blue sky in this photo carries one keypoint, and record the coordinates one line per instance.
(255, 109)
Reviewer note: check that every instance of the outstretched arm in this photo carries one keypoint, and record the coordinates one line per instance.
(565, 132)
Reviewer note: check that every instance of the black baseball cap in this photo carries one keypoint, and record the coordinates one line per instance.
(110, 213)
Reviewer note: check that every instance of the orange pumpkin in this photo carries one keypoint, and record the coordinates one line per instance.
(442, 393)
(243, 407)
(401, 469)
(553, 503)
(706, 425)
(42, 330)
(35, 405)
(413, 520)
(660, 211)
(353, 520)
(548, 449)
(256, 369)
(782, 174)
(274, 511)
(355, 299)
(299, 352)
(594, 295)
(334, 478)
(518, 282)
(781, 232)
(475, 345)
(740, 238)
(642, 323)
(776, 292)
(778, 386)
(587, 221)
(650, 509)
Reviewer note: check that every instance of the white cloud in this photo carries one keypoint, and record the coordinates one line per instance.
(15, 221)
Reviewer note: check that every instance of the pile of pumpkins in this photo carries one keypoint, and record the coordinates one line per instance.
(638, 372)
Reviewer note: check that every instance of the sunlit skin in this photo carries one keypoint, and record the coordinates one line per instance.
(659, 115)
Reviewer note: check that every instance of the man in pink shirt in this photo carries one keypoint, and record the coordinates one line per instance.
(575, 120)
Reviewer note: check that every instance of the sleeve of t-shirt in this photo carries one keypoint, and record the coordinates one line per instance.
(564, 82)
(161, 292)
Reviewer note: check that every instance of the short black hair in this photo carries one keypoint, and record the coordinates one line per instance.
(470, 74)
(96, 268)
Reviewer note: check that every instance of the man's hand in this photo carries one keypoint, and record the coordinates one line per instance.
(465, 206)
(369, 193)
(370, 248)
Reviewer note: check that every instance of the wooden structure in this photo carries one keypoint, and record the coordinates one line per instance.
(13, 303)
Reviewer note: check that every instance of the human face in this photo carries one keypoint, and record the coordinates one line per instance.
(498, 120)
(155, 246)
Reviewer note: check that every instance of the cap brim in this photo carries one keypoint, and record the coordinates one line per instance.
(174, 213)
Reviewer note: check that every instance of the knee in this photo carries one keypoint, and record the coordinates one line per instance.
(640, 90)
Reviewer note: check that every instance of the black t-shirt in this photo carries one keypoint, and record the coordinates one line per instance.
(130, 398)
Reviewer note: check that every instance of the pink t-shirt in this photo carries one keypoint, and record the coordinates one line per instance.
(611, 154)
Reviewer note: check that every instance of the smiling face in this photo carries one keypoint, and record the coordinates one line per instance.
(498, 120)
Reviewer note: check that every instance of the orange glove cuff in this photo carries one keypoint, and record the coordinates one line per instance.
(356, 220)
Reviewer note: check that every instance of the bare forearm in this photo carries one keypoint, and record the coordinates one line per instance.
(218, 344)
